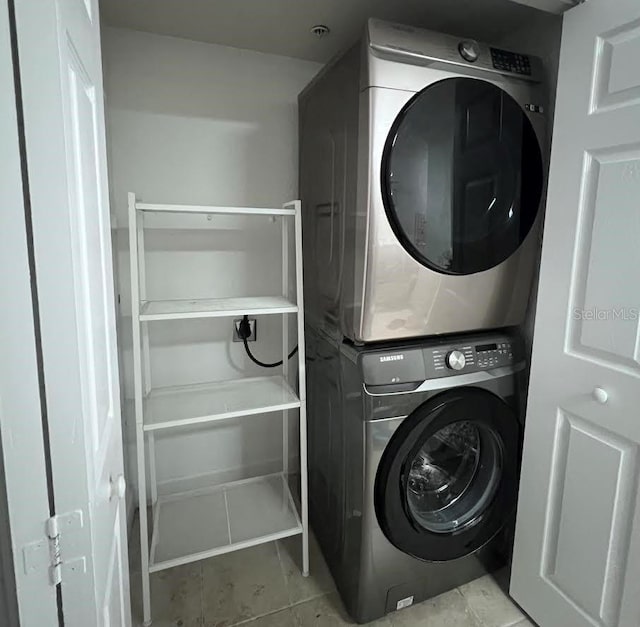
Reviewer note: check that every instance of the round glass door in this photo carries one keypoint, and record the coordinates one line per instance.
(453, 477)
(461, 176)
(447, 479)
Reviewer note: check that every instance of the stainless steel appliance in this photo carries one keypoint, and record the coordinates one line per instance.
(421, 178)
(414, 458)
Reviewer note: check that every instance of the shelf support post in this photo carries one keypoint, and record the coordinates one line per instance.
(138, 388)
(146, 357)
(285, 343)
(302, 391)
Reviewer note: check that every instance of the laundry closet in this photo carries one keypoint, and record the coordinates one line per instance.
(199, 123)
(336, 407)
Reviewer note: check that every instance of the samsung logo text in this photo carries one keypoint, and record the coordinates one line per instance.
(392, 358)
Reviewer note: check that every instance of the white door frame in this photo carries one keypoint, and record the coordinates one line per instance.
(21, 415)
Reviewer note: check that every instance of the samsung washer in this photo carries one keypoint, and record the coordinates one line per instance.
(414, 456)
(421, 178)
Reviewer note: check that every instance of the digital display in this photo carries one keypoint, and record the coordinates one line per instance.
(510, 61)
(486, 347)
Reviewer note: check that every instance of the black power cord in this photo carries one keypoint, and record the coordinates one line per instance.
(244, 331)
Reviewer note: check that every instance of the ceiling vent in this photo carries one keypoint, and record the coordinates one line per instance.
(320, 30)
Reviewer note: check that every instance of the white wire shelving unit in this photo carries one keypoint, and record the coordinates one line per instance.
(203, 523)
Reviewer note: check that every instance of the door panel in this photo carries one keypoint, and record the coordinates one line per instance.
(607, 239)
(116, 601)
(577, 550)
(59, 45)
(616, 82)
(583, 572)
(89, 255)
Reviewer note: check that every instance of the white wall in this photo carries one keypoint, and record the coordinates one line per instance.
(189, 122)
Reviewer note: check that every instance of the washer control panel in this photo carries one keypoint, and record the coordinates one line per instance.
(492, 352)
(409, 364)
(456, 358)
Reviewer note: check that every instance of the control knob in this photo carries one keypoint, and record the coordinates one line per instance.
(469, 50)
(456, 360)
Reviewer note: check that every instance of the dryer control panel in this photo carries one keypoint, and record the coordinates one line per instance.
(510, 61)
(433, 359)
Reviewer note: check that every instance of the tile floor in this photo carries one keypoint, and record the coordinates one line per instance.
(262, 587)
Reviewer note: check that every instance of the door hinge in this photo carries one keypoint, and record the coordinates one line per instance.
(53, 533)
(60, 551)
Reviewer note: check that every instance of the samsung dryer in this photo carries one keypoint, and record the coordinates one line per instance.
(421, 178)
(414, 458)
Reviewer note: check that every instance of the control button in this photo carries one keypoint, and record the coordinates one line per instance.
(456, 360)
(469, 50)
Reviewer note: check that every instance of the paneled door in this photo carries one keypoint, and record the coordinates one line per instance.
(62, 101)
(577, 549)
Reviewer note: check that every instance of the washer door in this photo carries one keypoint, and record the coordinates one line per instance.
(461, 176)
(448, 479)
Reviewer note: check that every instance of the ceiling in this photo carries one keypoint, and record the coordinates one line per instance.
(283, 26)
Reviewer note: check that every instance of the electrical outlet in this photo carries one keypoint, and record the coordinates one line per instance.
(236, 327)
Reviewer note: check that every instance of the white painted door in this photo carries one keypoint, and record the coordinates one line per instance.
(23, 466)
(62, 98)
(577, 549)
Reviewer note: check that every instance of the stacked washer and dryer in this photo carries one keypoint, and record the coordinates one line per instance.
(421, 178)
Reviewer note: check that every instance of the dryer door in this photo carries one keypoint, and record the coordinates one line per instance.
(448, 479)
(461, 176)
